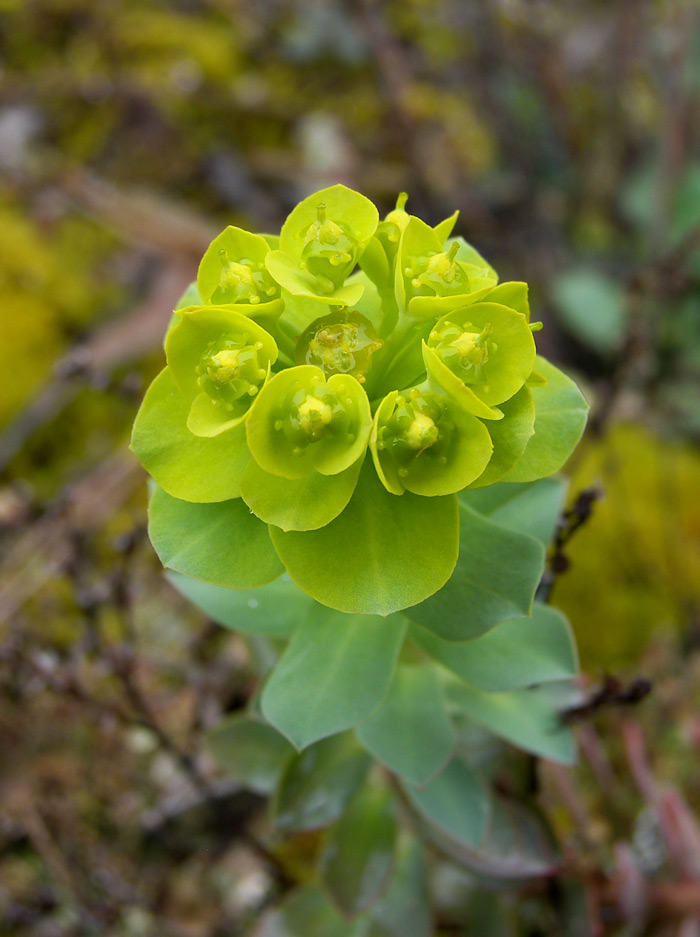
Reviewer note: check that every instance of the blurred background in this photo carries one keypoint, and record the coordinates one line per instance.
(131, 132)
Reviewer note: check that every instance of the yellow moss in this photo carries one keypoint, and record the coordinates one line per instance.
(636, 565)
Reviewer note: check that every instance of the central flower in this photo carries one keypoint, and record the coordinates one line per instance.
(301, 423)
(339, 343)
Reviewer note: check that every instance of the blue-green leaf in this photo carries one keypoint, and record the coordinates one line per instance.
(495, 579)
(333, 673)
(317, 783)
(455, 802)
(523, 717)
(410, 731)
(513, 655)
(221, 543)
(250, 751)
(529, 507)
(405, 911)
(273, 610)
(358, 857)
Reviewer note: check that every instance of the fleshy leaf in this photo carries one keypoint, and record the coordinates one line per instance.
(308, 912)
(529, 507)
(188, 467)
(522, 717)
(455, 802)
(222, 543)
(513, 655)
(358, 857)
(410, 731)
(249, 751)
(300, 503)
(273, 610)
(495, 579)
(317, 783)
(405, 911)
(380, 555)
(332, 674)
(561, 413)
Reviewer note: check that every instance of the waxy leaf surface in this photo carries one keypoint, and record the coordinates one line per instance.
(522, 717)
(250, 751)
(513, 655)
(455, 802)
(410, 731)
(359, 852)
(333, 673)
(317, 783)
(274, 610)
(223, 543)
(495, 579)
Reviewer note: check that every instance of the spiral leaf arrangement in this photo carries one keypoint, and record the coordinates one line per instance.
(327, 395)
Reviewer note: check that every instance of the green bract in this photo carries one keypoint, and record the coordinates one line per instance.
(303, 351)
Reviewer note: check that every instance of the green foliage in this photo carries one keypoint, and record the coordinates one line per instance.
(381, 438)
(336, 669)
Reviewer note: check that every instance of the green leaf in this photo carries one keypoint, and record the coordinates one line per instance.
(561, 413)
(404, 911)
(529, 507)
(522, 717)
(358, 857)
(379, 555)
(300, 503)
(223, 543)
(455, 802)
(517, 846)
(332, 674)
(317, 783)
(250, 752)
(273, 610)
(186, 466)
(513, 655)
(308, 912)
(591, 306)
(495, 579)
(509, 436)
(410, 731)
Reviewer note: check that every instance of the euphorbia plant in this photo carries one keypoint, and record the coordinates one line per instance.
(351, 444)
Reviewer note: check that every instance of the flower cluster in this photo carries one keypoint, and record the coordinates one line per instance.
(345, 346)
